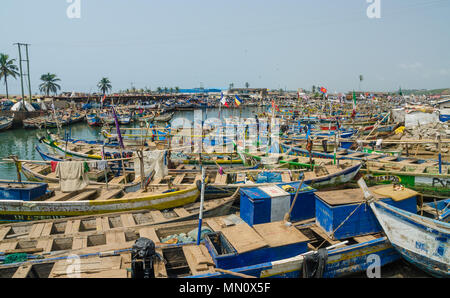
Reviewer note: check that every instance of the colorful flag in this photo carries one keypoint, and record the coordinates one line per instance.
(274, 106)
(223, 100)
(238, 101)
(354, 104)
(323, 90)
(103, 98)
(119, 135)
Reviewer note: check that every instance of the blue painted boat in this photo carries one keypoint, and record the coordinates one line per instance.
(93, 120)
(6, 123)
(357, 252)
(442, 208)
(21, 191)
(347, 154)
(341, 262)
(444, 118)
(422, 241)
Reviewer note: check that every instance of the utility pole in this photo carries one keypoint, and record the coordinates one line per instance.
(19, 45)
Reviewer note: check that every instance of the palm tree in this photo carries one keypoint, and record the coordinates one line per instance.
(361, 78)
(104, 85)
(247, 85)
(177, 89)
(171, 90)
(231, 86)
(313, 89)
(7, 68)
(165, 90)
(159, 90)
(49, 83)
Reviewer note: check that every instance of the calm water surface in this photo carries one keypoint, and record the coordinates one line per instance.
(22, 142)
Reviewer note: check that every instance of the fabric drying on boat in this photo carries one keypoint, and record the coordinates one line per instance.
(101, 165)
(53, 165)
(72, 175)
(153, 160)
(314, 264)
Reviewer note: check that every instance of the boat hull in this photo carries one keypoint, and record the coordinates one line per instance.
(11, 211)
(422, 242)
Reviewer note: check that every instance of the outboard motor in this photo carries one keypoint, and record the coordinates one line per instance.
(143, 254)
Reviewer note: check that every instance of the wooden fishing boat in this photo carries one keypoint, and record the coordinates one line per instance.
(124, 118)
(26, 191)
(83, 151)
(93, 119)
(6, 123)
(76, 117)
(418, 174)
(397, 153)
(36, 122)
(439, 210)
(97, 200)
(422, 241)
(106, 243)
(164, 117)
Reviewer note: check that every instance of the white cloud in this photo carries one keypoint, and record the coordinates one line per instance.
(444, 72)
(410, 66)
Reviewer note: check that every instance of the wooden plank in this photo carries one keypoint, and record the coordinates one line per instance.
(36, 230)
(213, 224)
(76, 226)
(102, 224)
(79, 242)
(47, 229)
(86, 195)
(6, 246)
(178, 179)
(98, 224)
(68, 229)
(278, 234)
(22, 271)
(181, 212)
(88, 266)
(45, 244)
(107, 195)
(60, 196)
(221, 179)
(149, 233)
(115, 237)
(198, 261)
(322, 234)
(243, 238)
(128, 220)
(157, 216)
(366, 238)
(3, 232)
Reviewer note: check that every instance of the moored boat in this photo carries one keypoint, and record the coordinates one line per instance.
(422, 241)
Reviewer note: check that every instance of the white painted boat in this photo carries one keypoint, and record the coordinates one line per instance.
(422, 241)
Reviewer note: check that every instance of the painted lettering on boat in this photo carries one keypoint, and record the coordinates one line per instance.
(383, 178)
(421, 246)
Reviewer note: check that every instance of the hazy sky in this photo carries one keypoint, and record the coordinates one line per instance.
(274, 44)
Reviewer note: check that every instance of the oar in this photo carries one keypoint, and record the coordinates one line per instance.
(287, 216)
